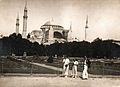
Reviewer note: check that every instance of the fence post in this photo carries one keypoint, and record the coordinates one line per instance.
(31, 68)
(2, 67)
(58, 66)
(103, 67)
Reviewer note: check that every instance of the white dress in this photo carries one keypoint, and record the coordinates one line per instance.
(85, 72)
(66, 66)
(74, 69)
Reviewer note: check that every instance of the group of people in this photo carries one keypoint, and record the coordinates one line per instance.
(66, 63)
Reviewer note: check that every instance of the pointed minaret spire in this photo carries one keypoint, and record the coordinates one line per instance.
(25, 5)
(70, 39)
(24, 33)
(17, 24)
(70, 27)
(86, 27)
(86, 22)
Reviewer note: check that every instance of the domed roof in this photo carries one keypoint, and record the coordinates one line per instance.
(49, 23)
(36, 33)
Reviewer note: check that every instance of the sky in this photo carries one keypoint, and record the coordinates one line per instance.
(103, 16)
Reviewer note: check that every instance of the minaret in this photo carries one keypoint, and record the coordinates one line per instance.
(86, 27)
(17, 25)
(70, 33)
(24, 33)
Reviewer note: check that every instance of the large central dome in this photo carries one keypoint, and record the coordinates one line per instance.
(49, 23)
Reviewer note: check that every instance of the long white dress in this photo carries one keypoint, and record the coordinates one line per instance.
(85, 72)
(74, 69)
(66, 66)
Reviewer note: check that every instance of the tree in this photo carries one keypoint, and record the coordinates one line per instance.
(28, 36)
(50, 59)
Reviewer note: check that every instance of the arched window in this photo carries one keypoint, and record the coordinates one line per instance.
(58, 35)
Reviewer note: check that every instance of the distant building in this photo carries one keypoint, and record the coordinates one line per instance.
(36, 36)
(49, 32)
(53, 33)
(1, 36)
(116, 42)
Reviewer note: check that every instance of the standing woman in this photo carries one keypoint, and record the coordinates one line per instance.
(74, 68)
(66, 62)
(85, 69)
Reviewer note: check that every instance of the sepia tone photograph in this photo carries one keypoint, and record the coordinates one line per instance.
(59, 43)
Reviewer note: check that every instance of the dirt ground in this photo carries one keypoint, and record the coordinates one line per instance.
(58, 82)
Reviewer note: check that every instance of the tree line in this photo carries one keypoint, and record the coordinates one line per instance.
(97, 49)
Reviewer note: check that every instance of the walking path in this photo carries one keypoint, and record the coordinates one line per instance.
(47, 66)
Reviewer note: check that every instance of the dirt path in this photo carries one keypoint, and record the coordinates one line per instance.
(57, 82)
(49, 67)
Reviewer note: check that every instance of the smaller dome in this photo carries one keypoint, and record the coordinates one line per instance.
(36, 33)
(1, 35)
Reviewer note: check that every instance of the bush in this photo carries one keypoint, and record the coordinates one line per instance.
(50, 59)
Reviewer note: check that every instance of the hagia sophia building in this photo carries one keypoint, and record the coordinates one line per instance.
(48, 33)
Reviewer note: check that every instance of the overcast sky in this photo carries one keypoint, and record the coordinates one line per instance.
(104, 16)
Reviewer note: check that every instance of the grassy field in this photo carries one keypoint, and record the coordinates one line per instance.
(13, 66)
(98, 67)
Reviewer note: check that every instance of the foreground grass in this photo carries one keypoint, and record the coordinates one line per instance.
(97, 67)
(14, 66)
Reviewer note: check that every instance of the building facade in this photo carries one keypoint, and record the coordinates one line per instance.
(52, 33)
(36, 36)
